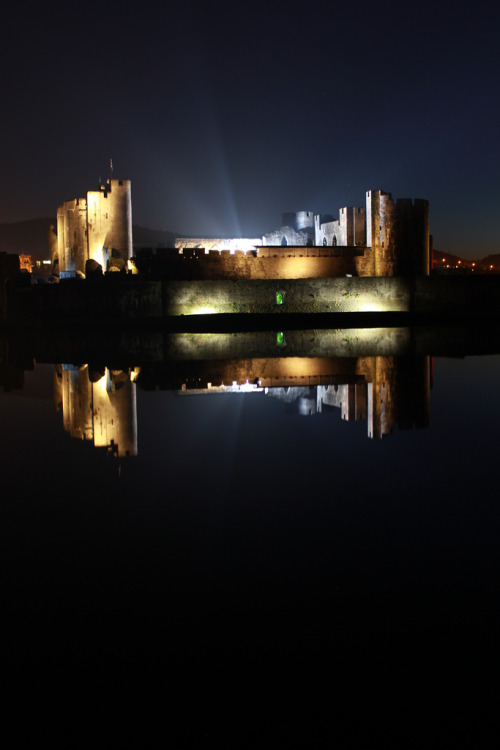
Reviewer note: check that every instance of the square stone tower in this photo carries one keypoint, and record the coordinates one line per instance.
(98, 227)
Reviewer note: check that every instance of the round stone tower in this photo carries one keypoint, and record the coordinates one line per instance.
(109, 216)
(298, 220)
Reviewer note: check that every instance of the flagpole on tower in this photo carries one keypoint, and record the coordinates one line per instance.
(111, 168)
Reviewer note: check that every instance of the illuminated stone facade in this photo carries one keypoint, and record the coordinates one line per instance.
(349, 229)
(383, 238)
(97, 227)
(398, 234)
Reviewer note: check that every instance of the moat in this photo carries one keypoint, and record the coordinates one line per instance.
(251, 546)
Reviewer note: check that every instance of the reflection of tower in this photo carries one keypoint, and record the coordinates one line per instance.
(386, 391)
(76, 399)
(349, 398)
(398, 393)
(115, 413)
(104, 411)
(413, 381)
(380, 398)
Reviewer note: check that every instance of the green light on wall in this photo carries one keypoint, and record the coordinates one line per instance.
(280, 338)
(280, 298)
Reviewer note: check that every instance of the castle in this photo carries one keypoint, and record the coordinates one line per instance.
(383, 238)
(95, 228)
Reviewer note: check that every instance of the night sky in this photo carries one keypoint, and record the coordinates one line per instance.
(226, 115)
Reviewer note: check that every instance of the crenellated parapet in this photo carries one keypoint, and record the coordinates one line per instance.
(383, 238)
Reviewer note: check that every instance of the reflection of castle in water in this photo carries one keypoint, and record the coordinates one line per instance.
(98, 406)
(381, 375)
(385, 391)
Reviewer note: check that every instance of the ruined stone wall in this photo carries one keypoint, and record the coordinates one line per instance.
(349, 229)
(352, 226)
(327, 234)
(289, 236)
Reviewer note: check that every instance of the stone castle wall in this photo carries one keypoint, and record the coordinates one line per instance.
(275, 262)
(394, 238)
(320, 295)
(126, 297)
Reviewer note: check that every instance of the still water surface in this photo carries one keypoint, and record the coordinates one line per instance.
(253, 572)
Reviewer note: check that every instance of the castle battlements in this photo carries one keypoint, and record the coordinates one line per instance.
(387, 238)
(382, 238)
